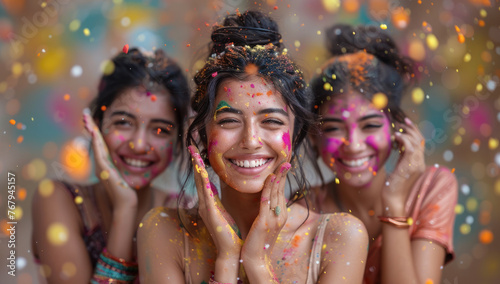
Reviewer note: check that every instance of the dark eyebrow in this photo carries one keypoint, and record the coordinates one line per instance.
(159, 120)
(229, 110)
(334, 119)
(154, 120)
(121, 112)
(371, 116)
(273, 110)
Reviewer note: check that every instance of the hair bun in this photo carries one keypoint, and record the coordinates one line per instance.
(343, 39)
(250, 28)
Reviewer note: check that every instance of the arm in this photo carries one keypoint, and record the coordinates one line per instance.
(421, 258)
(63, 255)
(345, 247)
(159, 246)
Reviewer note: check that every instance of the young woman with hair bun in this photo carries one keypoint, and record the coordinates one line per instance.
(251, 118)
(409, 212)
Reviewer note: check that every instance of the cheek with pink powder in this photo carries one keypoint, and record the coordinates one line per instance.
(331, 146)
(286, 140)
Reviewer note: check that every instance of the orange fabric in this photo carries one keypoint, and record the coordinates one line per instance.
(431, 204)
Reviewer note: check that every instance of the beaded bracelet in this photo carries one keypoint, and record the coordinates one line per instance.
(399, 222)
(111, 269)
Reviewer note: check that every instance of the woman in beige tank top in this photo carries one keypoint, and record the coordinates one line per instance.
(251, 117)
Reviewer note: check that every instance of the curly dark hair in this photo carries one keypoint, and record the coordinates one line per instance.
(134, 69)
(367, 60)
(267, 62)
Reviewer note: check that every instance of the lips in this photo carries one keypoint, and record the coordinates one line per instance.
(254, 163)
(355, 162)
(136, 164)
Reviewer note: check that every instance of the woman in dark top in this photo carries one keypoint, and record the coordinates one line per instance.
(85, 234)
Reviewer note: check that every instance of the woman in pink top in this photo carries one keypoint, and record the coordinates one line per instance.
(409, 213)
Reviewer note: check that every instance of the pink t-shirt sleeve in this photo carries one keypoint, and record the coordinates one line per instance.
(435, 218)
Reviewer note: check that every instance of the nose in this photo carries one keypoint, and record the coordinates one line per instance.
(250, 138)
(139, 142)
(354, 142)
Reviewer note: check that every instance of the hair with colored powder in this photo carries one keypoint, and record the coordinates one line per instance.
(366, 60)
(158, 73)
(241, 62)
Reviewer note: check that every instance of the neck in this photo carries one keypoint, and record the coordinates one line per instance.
(242, 207)
(362, 198)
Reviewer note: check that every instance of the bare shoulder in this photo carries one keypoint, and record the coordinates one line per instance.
(53, 201)
(346, 230)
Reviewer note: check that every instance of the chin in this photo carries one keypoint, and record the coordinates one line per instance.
(137, 182)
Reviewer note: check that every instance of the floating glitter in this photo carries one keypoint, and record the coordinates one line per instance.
(57, 234)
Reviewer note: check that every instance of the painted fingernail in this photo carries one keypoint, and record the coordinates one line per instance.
(285, 167)
(408, 121)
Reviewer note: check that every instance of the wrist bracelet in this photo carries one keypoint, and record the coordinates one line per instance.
(399, 222)
(111, 269)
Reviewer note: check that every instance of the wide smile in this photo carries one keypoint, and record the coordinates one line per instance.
(136, 165)
(250, 166)
(356, 165)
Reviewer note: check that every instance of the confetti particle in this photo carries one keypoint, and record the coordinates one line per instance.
(432, 42)
(417, 95)
(188, 45)
(68, 269)
(219, 229)
(78, 200)
(57, 234)
(331, 6)
(153, 98)
(74, 25)
(493, 143)
(20, 139)
(486, 236)
(86, 32)
(12, 121)
(107, 67)
(46, 188)
(379, 100)
(21, 194)
(429, 281)
(67, 97)
(214, 74)
(465, 229)
(125, 48)
(76, 71)
(103, 108)
(104, 175)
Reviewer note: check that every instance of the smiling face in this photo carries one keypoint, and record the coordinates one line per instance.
(139, 130)
(355, 141)
(249, 135)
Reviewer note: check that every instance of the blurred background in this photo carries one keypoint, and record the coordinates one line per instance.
(53, 52)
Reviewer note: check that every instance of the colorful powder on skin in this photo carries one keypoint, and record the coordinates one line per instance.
(286, 140)
(222, 105)
(210, 145)
(332, 145)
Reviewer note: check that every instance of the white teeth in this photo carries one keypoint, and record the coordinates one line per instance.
(136, 163)
(249, 164)
(355, 163)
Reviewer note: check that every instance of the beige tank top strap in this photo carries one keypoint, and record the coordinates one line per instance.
(314, 260)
